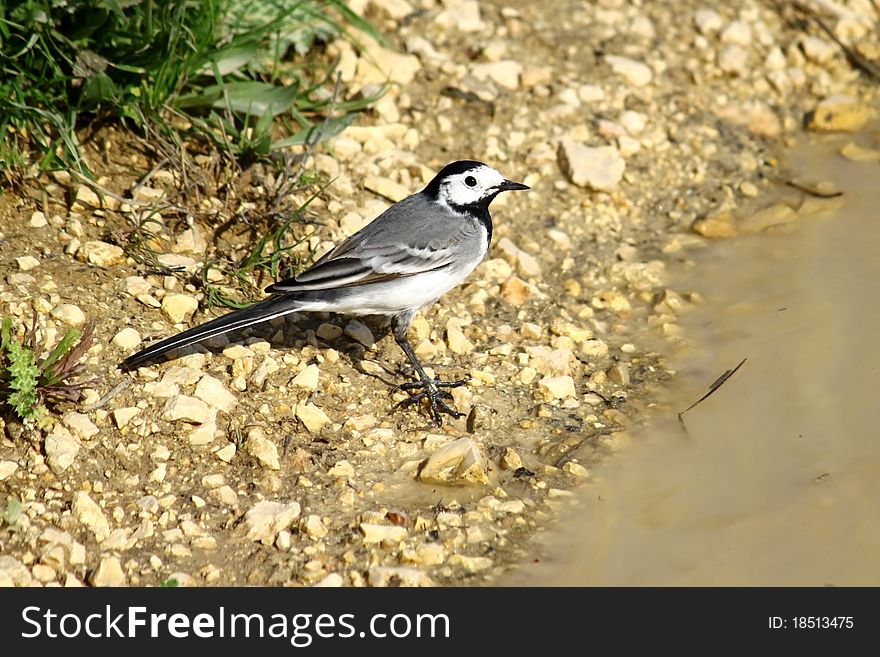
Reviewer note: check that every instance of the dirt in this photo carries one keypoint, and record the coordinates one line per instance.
(601, 311)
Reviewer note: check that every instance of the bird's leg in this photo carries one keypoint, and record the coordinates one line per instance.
(432, 388)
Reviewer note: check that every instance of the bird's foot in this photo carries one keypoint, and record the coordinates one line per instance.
(432, 390)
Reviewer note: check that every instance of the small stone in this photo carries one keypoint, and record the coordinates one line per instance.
(38, 220)
(590, 93)
(69, 314)
(147, 194)
(396, 9)
(670, 302)
(514, 291)
(599, 168)
(525, 263)
(333, 580)
(737, 32)
(397, 576)
(716, 226)
(44, 573)
(212, 391)
(61, 449)
(469, 564)
(7, 469)
(636, 73)
(856, 153)
(329, 331)
(192, 240)
(307, 378)
(748, 189)
(342, 469)
(463, 15)
(733, 59)
(458, 462)
(80, 424)
(77, 554)
(20, 279)
(431, 554)
(186, 408)
(557, 387)
(619, 374)
(531, 331)
(14, 573)
(238, 352)
(261, 448)
(268, 518)
(87, 511)
(226, 453)
(26, 263)
(127, 339)
(212, 481)
(282, 541)
(633, 122)
(100, 253)
(225, 495)
(775, 215)
(839, 113)
(505, 74)
(359, 423)
(137, 285)
(533, 75)
(708, 21)
(178, 308)
(373, 533)
(179, 261)
(817, 50)
(84, 198)
(108, 573)
(149, 300)
(360, 332)
(378, 65)
(575, 469)
(314, 526)
(456, 339)
(510, 459)
(386, 188)
(311, 416)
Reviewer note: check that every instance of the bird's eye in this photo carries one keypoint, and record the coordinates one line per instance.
(470, 181)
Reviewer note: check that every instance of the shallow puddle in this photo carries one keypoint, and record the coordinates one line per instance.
(777, 480)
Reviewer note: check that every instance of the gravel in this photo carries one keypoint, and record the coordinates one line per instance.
(275, 457)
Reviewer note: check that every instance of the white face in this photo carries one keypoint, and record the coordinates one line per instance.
(470, 186)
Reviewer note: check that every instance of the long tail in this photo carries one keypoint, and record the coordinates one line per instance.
(265, 310)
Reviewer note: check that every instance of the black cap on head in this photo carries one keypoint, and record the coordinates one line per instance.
(433, 187)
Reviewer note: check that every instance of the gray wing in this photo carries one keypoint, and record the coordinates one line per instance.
(410, 237)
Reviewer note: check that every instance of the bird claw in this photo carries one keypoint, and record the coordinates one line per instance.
(433, 393)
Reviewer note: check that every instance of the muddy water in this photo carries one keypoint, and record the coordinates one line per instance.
(777, 481)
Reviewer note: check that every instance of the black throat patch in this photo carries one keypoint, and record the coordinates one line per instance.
(480, 212)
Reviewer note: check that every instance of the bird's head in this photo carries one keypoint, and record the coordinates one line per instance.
(468, 184)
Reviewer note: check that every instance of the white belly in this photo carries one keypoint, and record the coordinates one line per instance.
(395, 296)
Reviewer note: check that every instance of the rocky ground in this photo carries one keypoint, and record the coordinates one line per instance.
(645, 130)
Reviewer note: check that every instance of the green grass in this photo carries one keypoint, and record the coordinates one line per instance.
(28, 376)
(232, 72)
(236, 82)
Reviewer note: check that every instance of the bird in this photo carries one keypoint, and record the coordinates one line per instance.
(402, 261)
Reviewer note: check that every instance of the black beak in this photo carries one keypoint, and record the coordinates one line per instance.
(509, 186)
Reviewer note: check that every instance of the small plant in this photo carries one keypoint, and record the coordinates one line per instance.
(12, 512)
(27, 379)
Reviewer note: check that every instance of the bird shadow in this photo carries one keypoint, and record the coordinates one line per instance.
(299, 330)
